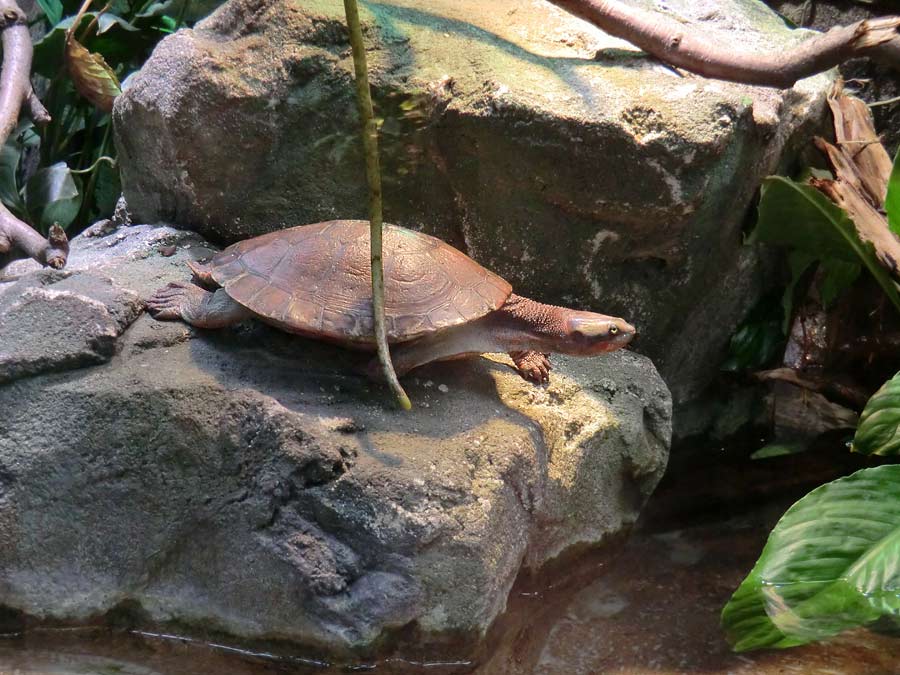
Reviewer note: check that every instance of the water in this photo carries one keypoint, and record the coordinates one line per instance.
(653, 610)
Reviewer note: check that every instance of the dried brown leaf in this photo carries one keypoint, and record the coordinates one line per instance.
(92, 76)
(854, 130)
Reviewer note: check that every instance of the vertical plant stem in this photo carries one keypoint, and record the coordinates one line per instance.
(373, 174)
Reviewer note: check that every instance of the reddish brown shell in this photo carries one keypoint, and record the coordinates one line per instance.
(316, 280)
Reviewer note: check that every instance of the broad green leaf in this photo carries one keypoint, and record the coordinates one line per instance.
(892, 203)
(801, 217)
(116, 39)
(52, 196)
(831, 563)
(93, 78)
(53, 10)
(878, 432)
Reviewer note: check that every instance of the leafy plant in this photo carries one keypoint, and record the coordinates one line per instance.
(65, 171)
(830, 564)
(758, 339)
(798, 216)
(878, 432)
(892, 202)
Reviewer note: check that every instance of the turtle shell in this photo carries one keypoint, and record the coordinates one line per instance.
(316, 280)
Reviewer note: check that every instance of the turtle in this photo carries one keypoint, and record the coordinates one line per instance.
(315, 281)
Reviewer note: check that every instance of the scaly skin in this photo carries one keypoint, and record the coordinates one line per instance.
(525, 329)
(529, 331)
(197, 307)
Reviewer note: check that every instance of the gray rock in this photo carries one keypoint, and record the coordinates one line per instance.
(55, 320)
(248, 481)
(582, 171)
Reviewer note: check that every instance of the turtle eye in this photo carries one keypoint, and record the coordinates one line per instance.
(613, 329)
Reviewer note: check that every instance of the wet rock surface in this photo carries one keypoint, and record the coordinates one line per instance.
(566, 161)
(651, 610)
(250, 482)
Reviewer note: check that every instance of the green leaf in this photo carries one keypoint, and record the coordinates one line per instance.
(831, 563)
(52, 196)
(779, 450)
(10, 155)
(892, 203)
(878, 432)
(105, 23)
(180, 10)
(758, 339)
(53, 10)
(837, 277)
(116, 40)
(799, 262)
(799, 216)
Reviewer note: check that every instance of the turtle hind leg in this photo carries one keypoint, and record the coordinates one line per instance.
(195, 306)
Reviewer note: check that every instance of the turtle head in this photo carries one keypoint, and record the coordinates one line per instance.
(587, 333)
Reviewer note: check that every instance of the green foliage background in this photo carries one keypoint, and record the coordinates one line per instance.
(55, 173)
(833, 560)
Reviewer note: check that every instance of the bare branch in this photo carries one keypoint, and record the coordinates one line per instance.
(17, 239)
(693, 49)
(36, 110)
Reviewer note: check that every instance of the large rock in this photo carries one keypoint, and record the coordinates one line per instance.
(574, 166)
(249, 482)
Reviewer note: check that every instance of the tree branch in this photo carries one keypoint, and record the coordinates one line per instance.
(17, 239)
(693, 49)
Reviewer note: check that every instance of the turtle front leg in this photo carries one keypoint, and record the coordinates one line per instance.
(195, 306)
(533, 366)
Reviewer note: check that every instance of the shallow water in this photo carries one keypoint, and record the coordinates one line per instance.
(653, 610)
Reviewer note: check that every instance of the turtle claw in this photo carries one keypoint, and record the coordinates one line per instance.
(168, 303)
(532, 366)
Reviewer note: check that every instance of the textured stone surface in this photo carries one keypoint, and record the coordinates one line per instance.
(56, 320)
(562, 159)
(249, 481)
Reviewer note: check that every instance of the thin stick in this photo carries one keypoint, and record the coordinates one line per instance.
(17, 239)
(886, 101)
(694, 49)
(373, 174)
